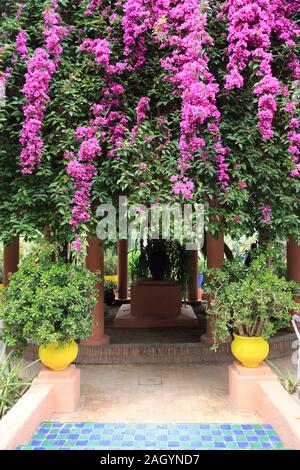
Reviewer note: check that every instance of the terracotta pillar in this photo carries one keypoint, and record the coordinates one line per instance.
(193, 276)
(11, 254)
(123, 269)
(293, 261)
(293, 267)
(215, 259)
(95, 262)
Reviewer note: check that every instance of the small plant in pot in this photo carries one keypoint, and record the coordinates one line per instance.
(109, 292)
(250, 303)
(49, 304)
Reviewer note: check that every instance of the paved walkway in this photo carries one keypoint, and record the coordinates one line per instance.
(156, 394)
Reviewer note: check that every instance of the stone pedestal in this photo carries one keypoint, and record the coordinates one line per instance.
(66, 387)
(155, 304)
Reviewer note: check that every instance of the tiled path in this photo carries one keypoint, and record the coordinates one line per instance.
(156, 394)
(94, 436)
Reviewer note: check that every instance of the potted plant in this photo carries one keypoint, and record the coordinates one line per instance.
(161, 259)
(109, 292)
(49, 303)
(250, 303)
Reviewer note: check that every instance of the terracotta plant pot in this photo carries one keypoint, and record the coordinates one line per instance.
(250, 351)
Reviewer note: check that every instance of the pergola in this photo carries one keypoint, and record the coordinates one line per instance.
(95, 262)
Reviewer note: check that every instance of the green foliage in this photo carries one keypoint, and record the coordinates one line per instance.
(13, 385)
(288, 380)
(109, 292)
(111, 265)
(48, 301)
(250, 301)
(27, 203)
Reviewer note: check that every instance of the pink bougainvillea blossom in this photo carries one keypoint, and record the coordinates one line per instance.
(142, 108)
(180, 28)
(20, 11)
(92, 6)
(40, 69)
(251, 26)
(242, 185)
(21, 44)
(266, 213)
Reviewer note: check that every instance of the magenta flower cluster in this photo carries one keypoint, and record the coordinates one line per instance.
(266, 213)
(21, 44)
(109, 125)
(293, 138)
(251, 26)
(180, 28)
(92, 6)
(40, 68)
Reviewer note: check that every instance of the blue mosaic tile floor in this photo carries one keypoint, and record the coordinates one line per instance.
(96, 436)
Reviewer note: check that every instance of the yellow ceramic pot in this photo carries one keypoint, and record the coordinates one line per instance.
(58, 357)
(250, 351)
(111, 278)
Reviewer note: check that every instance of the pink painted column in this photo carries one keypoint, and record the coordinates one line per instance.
(293, 267)
(11, 255)
(95, 262)
(193, 276)
(293, 261)
(123, 269)
(215, 259)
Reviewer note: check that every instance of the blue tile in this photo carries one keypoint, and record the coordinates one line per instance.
(274, 438)
(204, 426)
(225, 427)
(109, 436)
(266, 445)
(162, 438)
(219, 445)
(243, 445)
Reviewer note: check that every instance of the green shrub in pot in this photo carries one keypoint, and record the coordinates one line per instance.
(48, 302)
(250, 301)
